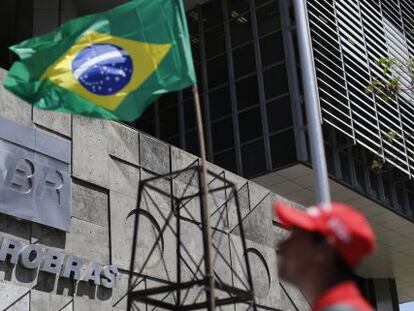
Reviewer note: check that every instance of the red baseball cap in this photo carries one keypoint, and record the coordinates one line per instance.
(347, 229)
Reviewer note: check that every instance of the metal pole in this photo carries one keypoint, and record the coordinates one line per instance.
(312, 104)
(204, 205)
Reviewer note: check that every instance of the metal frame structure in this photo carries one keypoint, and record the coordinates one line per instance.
(171, 202)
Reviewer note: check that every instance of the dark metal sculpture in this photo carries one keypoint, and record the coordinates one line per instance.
(168, 252)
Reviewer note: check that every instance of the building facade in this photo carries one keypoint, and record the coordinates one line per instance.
(245, 55)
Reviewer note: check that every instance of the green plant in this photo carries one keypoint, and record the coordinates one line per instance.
(389, 85)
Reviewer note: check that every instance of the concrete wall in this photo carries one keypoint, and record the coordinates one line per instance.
(108, 161)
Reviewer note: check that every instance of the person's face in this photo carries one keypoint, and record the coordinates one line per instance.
(297, 255)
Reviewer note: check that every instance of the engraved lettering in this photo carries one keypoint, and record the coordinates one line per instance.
(53, 185)
(21, 177)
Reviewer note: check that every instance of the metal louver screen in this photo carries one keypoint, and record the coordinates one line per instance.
(348, 38)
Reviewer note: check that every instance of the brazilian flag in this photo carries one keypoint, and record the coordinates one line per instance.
(109, 65)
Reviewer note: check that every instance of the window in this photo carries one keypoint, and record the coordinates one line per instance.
(191, 142)
(345, 168)
(275, 81)
(360, 175)
(247, 92)
(279, 114)
(212, 13)
(226, 159)
(250, 124)
(373, 179)
(220, 104)
(240, 29)
(283, 149)
(215, 42)
(244, 60)
(189, 115)
(253, 158)
(147, 121)
(222, 132)
(169, 122)
(268, 18)
(16, 24)
(271, 48)
(217, 71)
(237, 6)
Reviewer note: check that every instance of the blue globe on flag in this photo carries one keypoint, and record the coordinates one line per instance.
(103, 69)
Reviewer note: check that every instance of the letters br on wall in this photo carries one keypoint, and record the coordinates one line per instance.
(34, 175)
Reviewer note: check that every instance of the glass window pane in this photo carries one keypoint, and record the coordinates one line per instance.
(271, 48)
(345, 168)
(146, 125)
(217, 71)
(260, 2)
(226, 160)
(373, 178)
(275, 81)
(410, 209)
(244, 60)
(387, 191)
(168, 100)
(174, 141)
(283, 148)
(253, 158)
(212, 13)
(360, 175)
(330, 160)
(279, 114)
(250, 125)
(400, 195)
(188, 93)
(189, 115)
(169, 122)
(191, 142)
(268, 18)
(220, 104)
(247, 92)
(237, 6)
(214, 42)
(195, 48)
(192, 21)
(222, 132)
(146, 122)
(240, 29)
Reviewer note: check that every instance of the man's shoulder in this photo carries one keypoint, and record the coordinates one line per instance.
(344, 307)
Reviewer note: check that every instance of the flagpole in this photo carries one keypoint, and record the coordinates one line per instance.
(312, 105)
(204, 204)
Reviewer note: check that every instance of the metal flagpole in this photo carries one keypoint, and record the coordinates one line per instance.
(312, 104)
(204, 204)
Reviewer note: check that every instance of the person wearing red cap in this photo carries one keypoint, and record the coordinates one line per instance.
(321, 252)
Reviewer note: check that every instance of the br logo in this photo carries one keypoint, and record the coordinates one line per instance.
(103, 69)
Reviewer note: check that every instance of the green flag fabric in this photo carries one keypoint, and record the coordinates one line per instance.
(109, 65)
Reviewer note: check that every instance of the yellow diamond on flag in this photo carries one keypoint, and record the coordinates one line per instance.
(104, 69)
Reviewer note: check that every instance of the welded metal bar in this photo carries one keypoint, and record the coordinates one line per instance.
(312, 104)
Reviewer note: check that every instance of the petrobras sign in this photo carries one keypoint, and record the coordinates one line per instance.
(34, 175)
(33, 256)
